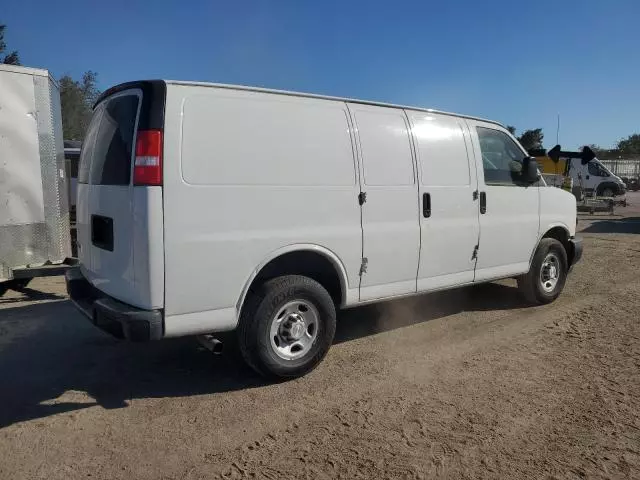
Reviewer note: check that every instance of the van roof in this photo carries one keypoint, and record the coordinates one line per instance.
(290, 93)
(326, 97)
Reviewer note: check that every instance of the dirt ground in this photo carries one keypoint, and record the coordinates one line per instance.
(463, 384)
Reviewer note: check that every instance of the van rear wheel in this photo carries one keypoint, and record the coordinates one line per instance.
(548, 273)
(287, 326)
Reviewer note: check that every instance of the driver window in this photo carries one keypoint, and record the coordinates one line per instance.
(501, 158)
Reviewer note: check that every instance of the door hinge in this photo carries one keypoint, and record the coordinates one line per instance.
(362, 197)
(363, 266)
(475, 194)
(474, 255)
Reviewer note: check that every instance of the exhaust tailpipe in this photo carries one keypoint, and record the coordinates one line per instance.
(212, 344)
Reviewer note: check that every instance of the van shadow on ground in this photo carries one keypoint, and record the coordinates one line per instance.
(622, 225)
(49, 349)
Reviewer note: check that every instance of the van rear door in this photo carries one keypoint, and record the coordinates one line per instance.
(119, 218)
(105, 197)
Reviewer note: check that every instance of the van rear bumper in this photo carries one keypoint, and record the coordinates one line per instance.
(112, 316)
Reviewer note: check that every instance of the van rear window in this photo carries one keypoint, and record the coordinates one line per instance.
(108, 147)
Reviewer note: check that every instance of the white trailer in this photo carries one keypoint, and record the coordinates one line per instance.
(34, 204)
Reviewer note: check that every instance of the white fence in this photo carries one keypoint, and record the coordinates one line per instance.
(629, 167)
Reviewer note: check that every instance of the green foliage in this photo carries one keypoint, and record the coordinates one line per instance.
(625, 148)
(630, 145)
(532, 139)
(77, 98)
(604, 153)
(11, 58)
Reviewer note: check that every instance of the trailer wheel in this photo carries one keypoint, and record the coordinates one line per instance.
(548, 273)
(287, 326)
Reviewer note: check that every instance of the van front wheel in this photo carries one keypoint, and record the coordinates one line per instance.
(548, 273)
(287, 326)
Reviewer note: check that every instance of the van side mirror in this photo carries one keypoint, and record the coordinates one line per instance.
(530, 170)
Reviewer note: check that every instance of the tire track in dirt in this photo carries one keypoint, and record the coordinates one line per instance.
(490, 391)
(536, 425)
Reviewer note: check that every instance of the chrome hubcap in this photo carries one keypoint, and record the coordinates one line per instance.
(550, 272)
(294, 329)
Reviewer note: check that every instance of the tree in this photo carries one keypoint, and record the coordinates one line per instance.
(77, 98)
(604, 153)
(531, 139)
(512, 129)
(630, 145)
(10, 58)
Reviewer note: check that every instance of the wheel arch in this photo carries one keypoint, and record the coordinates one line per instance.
(560, 232)
(614, 186)
(314, 261)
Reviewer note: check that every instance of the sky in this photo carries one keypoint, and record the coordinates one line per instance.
(521, 63)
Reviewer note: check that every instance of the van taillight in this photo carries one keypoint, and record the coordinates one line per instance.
(147, 169)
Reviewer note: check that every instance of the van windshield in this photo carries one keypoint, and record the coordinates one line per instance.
(108, 147)
(597, 169)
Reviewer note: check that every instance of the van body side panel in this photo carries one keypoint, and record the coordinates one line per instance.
(447, 180)
(390, 223)
(148, 245)
(509, 228)
(196, 323)
(557, 209)
(245, 174)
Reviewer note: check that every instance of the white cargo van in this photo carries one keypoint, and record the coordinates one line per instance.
(584, 169)
(597, 178)
(206, 208)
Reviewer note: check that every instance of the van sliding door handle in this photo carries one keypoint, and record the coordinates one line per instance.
(483, 202)
(426, 205)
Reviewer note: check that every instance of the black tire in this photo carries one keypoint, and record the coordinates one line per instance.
(260, 310)
(607, 192)
(531, 284)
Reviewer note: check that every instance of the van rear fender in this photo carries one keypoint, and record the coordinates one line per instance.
(311, 260)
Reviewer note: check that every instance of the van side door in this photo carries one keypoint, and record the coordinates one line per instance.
(448, 200)
(509, 207)
(390, 228)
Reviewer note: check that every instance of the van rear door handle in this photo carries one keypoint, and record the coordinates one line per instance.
(483, 202)
(426, 205)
